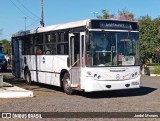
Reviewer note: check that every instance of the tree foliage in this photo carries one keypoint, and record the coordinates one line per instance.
(7, 46)
(125, 14)
(149, 37)
(105, 15)
(122, 14)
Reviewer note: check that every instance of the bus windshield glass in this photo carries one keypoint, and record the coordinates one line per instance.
(110, 48)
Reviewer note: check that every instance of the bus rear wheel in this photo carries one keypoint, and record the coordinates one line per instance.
(28, 77)
(66, 85)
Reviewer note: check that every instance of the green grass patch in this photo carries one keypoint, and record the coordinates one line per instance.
(156, 70)
(7, 84)
(153, 64)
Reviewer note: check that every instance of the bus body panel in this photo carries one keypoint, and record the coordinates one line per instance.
(46, 68)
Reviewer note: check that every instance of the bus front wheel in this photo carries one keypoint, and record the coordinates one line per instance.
(66, 85)
(28, 77)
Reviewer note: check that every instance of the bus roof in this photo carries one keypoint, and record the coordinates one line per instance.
(82, 23)
(53, 27)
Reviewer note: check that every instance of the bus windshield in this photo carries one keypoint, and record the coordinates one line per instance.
(110, 48)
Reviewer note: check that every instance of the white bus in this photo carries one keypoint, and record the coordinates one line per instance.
(88, 55)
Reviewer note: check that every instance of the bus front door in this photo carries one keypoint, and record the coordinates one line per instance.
(74, 57)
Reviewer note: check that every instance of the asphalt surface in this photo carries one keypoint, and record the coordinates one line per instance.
(52, 99)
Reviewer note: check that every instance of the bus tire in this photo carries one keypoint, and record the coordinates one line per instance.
(66, 86)
(28, 77)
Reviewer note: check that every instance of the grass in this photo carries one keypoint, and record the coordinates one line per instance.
(153, 64)
(156, 70)
(7, 84)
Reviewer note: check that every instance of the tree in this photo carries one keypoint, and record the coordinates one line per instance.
(149, 37)
(105, 15)
(157, 55)
(125, 14)
(157, 48)
(6, 45)
(122, 14)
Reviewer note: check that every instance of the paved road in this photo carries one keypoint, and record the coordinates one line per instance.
(52, 99)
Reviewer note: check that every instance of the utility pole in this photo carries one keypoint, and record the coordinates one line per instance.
(25, 18)
(42, 16)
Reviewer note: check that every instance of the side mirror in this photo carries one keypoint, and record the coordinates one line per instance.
(68, 62)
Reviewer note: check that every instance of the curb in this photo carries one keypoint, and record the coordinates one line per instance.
(154, 75)
(14, 92)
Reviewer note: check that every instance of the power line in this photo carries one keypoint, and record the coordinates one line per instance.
(6, 35)
(29, 26)
(20, 10)
(27, 9)
(33, 24)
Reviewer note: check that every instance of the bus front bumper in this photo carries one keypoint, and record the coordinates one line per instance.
(95, 85)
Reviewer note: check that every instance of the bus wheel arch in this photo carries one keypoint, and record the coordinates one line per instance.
(62, 73)
(27, 76)
(67, 84)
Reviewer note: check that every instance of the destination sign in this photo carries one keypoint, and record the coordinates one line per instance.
(114, 24)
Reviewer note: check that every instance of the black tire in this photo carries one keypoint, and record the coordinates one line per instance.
(28, 77)
(67, 88)
(4, 68)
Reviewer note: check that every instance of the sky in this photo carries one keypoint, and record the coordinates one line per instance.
(14, 12)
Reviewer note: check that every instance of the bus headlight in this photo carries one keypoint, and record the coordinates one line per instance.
(95, 75)
(99, 77)
(89, 73)
(134, 75)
